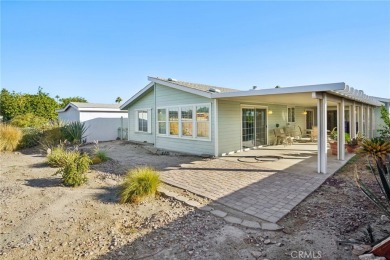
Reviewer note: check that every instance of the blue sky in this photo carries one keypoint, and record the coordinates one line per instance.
(102, 50)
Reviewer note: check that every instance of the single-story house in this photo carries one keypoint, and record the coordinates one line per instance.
(103, 121)
(202, 119)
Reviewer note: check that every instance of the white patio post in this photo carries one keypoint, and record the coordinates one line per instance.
(341, 130)
(322, 137)
(361, 128)
(352, 126)
(372, 123)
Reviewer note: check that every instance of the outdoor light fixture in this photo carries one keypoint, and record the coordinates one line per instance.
(305, 112)
(270, 112)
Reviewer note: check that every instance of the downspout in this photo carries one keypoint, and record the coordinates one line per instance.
(216, 143)
(155, 115)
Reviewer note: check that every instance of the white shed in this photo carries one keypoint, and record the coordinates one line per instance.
(102, 120)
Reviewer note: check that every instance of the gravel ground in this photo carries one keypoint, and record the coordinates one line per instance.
(41, 219)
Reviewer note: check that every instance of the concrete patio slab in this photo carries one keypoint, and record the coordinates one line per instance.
(266, 190)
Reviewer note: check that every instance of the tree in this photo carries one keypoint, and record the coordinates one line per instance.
(118, 100)
(66, 101)
(385, 130)
(40, 104)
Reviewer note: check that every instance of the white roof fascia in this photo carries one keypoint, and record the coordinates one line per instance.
(66, 107)
(86, 109)
(180, 87)
(287, 90)
(137, 95)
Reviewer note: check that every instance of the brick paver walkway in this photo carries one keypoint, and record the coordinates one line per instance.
(265, 193)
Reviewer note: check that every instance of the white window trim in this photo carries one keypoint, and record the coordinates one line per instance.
(294, 115)
(149, 115)
(194, 122)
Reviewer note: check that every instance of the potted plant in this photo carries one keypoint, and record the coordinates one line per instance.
(333, 141)
(352, 145)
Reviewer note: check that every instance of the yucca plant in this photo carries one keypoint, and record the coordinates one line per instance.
(377, 148)
(378, 151)
(75, 131)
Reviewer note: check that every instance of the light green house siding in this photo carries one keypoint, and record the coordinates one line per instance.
(146, 102)
(168, 97)
(230, 122)
(229, 126)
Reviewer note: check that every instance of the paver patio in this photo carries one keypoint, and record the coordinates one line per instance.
(266, 190)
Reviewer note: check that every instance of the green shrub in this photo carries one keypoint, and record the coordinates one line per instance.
(139, 183)
(59, 156)
(29, 120)
(75, 132)
(102, 155)
(96, 160)
(52, 137)
(74, 171)
(9, 137)
(31, 137)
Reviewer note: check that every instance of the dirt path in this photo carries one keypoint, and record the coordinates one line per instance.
(41, 219)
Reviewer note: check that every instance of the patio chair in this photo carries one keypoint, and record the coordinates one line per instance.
(314, 134)
(280, 135)
(303, 137)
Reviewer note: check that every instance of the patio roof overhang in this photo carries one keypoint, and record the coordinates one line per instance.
(321, 96)
(301, 95)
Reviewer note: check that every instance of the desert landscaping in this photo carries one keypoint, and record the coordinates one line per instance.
(42, 219)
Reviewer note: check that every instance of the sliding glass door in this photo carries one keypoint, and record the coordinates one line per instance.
(254, 127)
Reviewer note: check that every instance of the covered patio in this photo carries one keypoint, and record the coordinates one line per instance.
(353, 114)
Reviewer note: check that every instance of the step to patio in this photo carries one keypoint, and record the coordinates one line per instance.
(228, 214)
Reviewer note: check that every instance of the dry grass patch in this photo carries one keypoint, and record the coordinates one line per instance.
(9, 137)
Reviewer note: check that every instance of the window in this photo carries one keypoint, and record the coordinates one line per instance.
(187, 121)
(174, 121)
(143, 120)
(162, 121)
(290, 114)
(202, 121)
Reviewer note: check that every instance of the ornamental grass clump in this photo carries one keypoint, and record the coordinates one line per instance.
(99, 156)
(9, 137)
(138, 184)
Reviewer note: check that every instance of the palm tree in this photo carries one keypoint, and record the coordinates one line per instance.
(118, 100)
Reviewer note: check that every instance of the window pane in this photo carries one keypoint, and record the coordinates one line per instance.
(203, 129)
(162, 114)
(202, 113)
(142, 121)
(173, 121)
(186, 119)
(174, 114)
(162, 128)
(187, 128)
(174, 128)
(186, 114)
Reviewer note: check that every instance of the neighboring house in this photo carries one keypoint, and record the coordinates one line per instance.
(102, 120)
(202, 119)
(377, 114)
